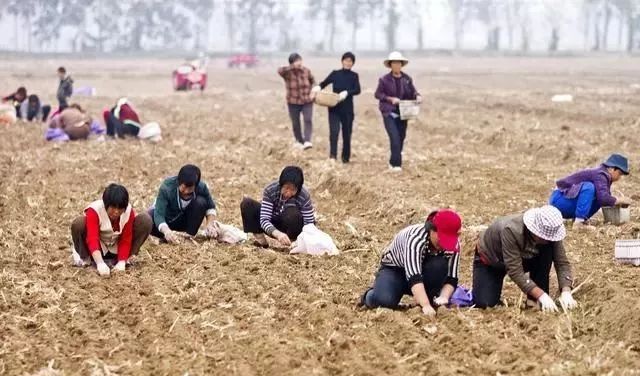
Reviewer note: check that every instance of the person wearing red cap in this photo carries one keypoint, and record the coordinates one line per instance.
(423, 261)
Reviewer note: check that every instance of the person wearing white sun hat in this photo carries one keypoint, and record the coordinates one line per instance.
(393, 88)
(519, 244)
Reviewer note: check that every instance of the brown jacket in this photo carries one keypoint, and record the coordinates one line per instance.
(505, 243)
(73, 122)
(298, 82)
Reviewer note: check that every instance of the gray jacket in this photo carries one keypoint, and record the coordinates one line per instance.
(65, 90)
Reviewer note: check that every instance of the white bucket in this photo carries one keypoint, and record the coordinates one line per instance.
(628, 251)
(616, 215)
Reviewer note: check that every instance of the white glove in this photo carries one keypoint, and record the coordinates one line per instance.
(170, 236)
(343, 95)
(547, 304)
(103, 269)
(316, 89)
(211, 231)
(120, 266)
(440, 301)
(566, 300)
(419, 99)
(428, 311)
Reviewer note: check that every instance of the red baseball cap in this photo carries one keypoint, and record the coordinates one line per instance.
(448, 224)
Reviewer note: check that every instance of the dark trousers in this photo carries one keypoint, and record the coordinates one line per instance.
(189, 220)
(488, 280)
(116, 127)
(397, 132)
(290, 221)
(307, 114)
(33, 114)
(391, 283)
(141, 228)
(337, 120)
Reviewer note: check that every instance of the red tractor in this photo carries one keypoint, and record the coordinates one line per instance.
(190, 76)
(243, 61)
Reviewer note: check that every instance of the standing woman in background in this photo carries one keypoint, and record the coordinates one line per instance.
(299, 81)
(346, 83)
(393, 88)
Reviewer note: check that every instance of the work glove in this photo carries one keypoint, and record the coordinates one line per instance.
(440, 301)
(547, 304)
(120, 266)
(566, 300)
(103, 269)
(343, 95)
(211, 231)
(428, 311)
(316, 89)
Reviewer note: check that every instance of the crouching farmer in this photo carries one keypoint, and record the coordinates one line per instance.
(519, 244)
(182, 204)
(423, 261)
(579, 196)
(109, 231)
(285, 209)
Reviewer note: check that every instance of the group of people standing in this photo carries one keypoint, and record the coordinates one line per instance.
(392, 88)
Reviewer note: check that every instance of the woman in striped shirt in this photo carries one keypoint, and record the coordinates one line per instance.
(286, 207)
(423, 261)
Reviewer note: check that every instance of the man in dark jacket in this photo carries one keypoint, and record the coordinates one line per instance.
(65, 88)
(346, 83)
(580, 195)
(182, 204)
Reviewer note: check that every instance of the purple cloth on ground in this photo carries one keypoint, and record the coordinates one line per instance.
(461, 297)
(599, 176)
(56, 134)
(96, 127)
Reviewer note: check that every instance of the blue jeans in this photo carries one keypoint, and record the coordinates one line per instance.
(397, 132)
(583, 207)
(391, 283)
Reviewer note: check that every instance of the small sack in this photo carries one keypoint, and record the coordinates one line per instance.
(8, 114)
(462, 297)
(96, 128)
(150, 131)
(312, 241)
(229, 234)
(56, 134)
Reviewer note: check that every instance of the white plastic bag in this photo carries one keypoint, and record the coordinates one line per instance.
(229, 234)
(312, 241)
(150, 131)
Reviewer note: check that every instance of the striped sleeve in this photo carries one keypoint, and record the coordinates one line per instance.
(452, 272)
(413, 257)
(266, 213)
(308, 213)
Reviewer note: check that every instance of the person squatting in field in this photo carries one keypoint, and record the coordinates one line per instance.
(74, 121)
(523, 246)
(580, 195)
(109, 231)
(423, 261)
(285, 209)
(182, 204)
(298, 82)
(393, 88)
(122, 120)
(346, 83)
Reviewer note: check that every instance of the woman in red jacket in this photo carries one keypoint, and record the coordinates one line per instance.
(109, 231)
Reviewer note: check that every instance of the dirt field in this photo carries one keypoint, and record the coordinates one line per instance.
(489, 143)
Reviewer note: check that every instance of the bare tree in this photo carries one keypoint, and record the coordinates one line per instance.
(416, 10)
(329, 8)
(201, 11)
(460, 13)
(258, 15)
(373, 9)
(629, 11)
(393, 21)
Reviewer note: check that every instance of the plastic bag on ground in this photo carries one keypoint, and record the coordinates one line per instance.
(312, 241)
(462, 297)
(7, 114)
(150, 131)
(229, 234)
(56, 134)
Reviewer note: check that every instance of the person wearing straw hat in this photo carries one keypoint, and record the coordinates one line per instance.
(523, 246)
(423, 261)
(346, 83)
(393, 88)
(580, 195)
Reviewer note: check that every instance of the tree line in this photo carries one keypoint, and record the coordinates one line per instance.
(253, 25)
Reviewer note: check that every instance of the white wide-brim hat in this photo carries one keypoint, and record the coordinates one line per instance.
(545, 222)
(395, 56)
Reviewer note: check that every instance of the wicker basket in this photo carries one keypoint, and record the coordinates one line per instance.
(327, 98)
(409, 110)
(616, 215)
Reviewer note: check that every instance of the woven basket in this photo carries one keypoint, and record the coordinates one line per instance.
(409, 110)
(327, 98)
